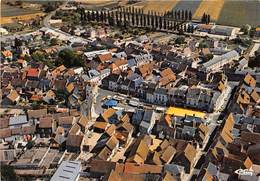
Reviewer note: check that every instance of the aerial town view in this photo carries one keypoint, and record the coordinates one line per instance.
(130, 90)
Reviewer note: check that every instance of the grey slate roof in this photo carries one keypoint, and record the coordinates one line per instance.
(68, 170)
(21, 119)
(215, 60)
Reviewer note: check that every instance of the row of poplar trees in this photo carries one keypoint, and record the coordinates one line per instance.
(125, 17)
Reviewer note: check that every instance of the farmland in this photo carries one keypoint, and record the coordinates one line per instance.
(158, 6)
(12, 19)
(240, 12)
(209, 7)
(235, 13)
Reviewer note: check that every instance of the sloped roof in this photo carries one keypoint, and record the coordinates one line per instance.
(168, 154)
(74, 140)
(46, 122)
(105, 57)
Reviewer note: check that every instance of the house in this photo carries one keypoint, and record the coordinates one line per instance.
(176, 171)
(186, 158)
(17, 121)
(73, 143)
(177, 96)
(105, 57)
(124, 133)
(145, 70)
(143, 59)
(68, 170)
(136, 81)
(12, 98)
(66, 122)
(46, 127)
(104, 73)
(33, 74)
(36, 114)
(59, 141)
(24, 50)
(118, 65)
(139, 152)
(218, 62)
(167, 76)
(204, 28)
(131, 63)
(222, 30)
(111, 81)
(168, 154)
(110, 116)
(147, 122)
(7, 54)
(148, 91)
(160, 96)
(22, 62)
(121, 55)
(125, 86)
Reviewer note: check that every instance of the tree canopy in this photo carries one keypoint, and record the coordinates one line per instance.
(68, 58)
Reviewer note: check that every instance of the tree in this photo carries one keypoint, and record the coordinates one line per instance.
(97, 16)
(124, 18)
(137, 17)
(164, 24)
(7, 173)
(38, 56)
(50, 6)
(190, 16)
(54, 41)
(152, 20)
(186, 14)
(182, 14)
(18, 42)
(209, 56)
(102, 16)
(105, 16)
(111, 19)
(133, 19)
(69, 59)
(203, 18)
(168, 25)
(145, 20)
(88, 16)
(208, 19)
(148, 19)
(160, 22)
(156, 21)
(93, 16)
(180, 40)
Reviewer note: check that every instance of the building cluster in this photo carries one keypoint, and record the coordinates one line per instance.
(48, 128)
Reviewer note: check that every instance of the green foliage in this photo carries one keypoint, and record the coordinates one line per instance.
(203, 44)
(179, 40)
(38, 56)
(29, 145)
(68, 58)
(245, 29)
(7, 173)
(54, 41)
(209, 56)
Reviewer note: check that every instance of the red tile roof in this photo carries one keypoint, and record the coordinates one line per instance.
(33, 72)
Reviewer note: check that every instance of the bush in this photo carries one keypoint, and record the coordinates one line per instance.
(7, 173)
(180, 40)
